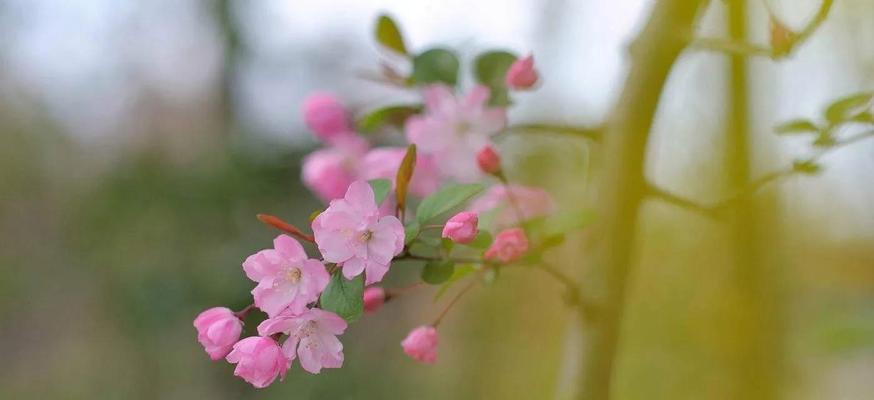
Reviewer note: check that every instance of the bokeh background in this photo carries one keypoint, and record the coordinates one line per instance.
(138, 139)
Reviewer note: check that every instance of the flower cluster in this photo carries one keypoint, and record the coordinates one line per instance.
(448, 158)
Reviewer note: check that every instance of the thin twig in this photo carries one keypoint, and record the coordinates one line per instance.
(457, 297)
(593, 134)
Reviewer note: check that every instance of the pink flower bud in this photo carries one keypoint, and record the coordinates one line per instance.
(489, 160)
(217, 330)
(374, 298)
(522, 75)
(327, 118)
(259, 361)
(461, 228)
(509, 246)
(421, 344)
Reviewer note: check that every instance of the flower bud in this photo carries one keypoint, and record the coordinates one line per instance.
(259, 360)
(489, 160)
(374, 298)
(462, 227)
(521, 75)
(421, 344)
(217, 330)
(326, 116)
(782, 38)
(509, 245)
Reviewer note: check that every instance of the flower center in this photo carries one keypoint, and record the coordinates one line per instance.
(461, 128)
(292, 275)
(366, 236)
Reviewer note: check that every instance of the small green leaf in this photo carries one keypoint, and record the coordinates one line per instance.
(386, 116)
(437, 272)
(808, 167)
(404, 175)
(460, 272)
(490, 69)
(796, 126)
(863, 117)
(445, 199)
(388, 34)
(380, 187)
(482, 240)
(411, 231)
(845, 107)
(435, 65)
(315, 214)
(344, 297)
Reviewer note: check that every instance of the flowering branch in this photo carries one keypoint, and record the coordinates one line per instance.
(783, 40)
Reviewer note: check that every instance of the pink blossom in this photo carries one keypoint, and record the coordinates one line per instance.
(326, 116)
(312, 336)
(259, 361)
(421, 344)
(522, 75)
(351, 232)
(374, 298)
(453, 130)
(384, 163)
(532, 202)
(462, 227)
(489, 160)
(286, 277)
(217, 330)
(329, 171)
(509, 245)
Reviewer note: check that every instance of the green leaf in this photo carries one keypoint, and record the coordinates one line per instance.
(388, 34)
(380, 187)
(808, 167)
(435, 65)
(404, 175)
(460, 272)
(437, 272)
(845, 107)
(411, 231)
(344, 297)
(386, 116)
(445, 199)
(490, 69)
(796, 126)
(863, 117)
(482, 240)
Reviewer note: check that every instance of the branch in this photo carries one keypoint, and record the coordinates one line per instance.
(593, 134)
(773, 52)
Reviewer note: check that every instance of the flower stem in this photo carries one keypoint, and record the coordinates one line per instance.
(455, 299)
(292, 230)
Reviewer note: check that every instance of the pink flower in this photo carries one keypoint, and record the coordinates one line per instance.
(421, 344)
(453, 130)
(462, 227)
(286, 277)
(522, 74)
(374, 298)
(509, 246)
(312, 336)
(489, 160)
(351, 232)
(217, 330)
(384, 163)
(324, 114)
(532, 202)
(259, 361)
(329, 171)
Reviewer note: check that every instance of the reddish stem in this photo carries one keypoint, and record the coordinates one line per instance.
(285, 227)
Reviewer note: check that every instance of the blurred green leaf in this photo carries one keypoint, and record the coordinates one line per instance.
(482, 240)
(796, 126)
(490, 69)
(445, 199)
(380, 187)
(389, 35)
(386, 116)
(460, 272)
(411, 231)
(437, 272)
(434, 66)
(845, 107)
(344, 297)
(808, 167)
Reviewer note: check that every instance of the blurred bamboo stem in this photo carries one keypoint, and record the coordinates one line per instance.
(653, 54)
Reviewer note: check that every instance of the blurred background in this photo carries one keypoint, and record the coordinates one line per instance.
(138, 139)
